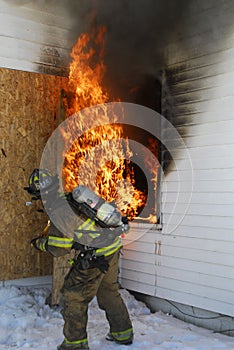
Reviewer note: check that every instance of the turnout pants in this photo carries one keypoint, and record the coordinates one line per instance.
(80, 287)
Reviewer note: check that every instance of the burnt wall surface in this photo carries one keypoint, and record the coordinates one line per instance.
(142, 37)
(40, 35)
(28, 115)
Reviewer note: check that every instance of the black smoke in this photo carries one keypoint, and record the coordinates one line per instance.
(138, 32)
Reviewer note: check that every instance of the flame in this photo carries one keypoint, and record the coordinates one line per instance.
(99, 158)
(86, 73)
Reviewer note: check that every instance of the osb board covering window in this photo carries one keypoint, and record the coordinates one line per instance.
(29, 105)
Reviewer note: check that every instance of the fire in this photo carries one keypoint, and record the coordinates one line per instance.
(98, 158)
(86, 73)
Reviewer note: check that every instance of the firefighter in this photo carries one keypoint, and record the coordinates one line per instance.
(95, 265)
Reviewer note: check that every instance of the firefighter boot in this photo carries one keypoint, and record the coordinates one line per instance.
(120, 340)
(66, 346)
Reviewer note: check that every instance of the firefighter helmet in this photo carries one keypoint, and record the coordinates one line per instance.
(41, 181)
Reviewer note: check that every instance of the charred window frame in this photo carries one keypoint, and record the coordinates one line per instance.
(149, 94)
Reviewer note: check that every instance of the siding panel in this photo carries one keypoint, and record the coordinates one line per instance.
(202, 221)
(35, 38)
(194, 288)
(211, 233)
(180, 264)
(137, 286)
(196, 260)
(202, 302)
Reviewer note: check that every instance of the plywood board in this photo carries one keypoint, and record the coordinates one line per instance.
(28, 115)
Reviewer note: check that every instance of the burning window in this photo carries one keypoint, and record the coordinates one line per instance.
(102, 156)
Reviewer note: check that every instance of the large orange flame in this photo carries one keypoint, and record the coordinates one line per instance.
(86, 73)
(99, 158)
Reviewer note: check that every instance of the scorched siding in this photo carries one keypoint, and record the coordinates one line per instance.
(195, 262)
(33, 38)
(197, 258)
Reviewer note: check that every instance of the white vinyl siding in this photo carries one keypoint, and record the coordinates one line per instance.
(138, 270)
(195, 265)
(197, 260)
(34, 38)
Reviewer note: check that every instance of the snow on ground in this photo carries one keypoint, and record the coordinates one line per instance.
(26, 322)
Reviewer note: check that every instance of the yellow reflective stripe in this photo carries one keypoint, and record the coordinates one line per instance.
(110, 249)
(94, 235)
(60, 242)
(75, 342)
(83, 225)
(35, 178)
(42, 244)
(124, 335)
(87, 225)
(123, 332)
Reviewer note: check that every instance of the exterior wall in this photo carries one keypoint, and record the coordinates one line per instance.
(34, 36)
(138, 263)
(200, 317)
(195, 262)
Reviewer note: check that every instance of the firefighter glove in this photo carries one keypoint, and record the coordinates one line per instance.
(40, 243)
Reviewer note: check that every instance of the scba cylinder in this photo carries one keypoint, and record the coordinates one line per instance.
(105, 212)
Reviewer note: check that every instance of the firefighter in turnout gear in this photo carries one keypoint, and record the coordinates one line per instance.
(94, 271)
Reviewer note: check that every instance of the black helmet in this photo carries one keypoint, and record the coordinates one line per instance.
(41, 181)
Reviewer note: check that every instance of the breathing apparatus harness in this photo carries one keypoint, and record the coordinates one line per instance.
(84, 201)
